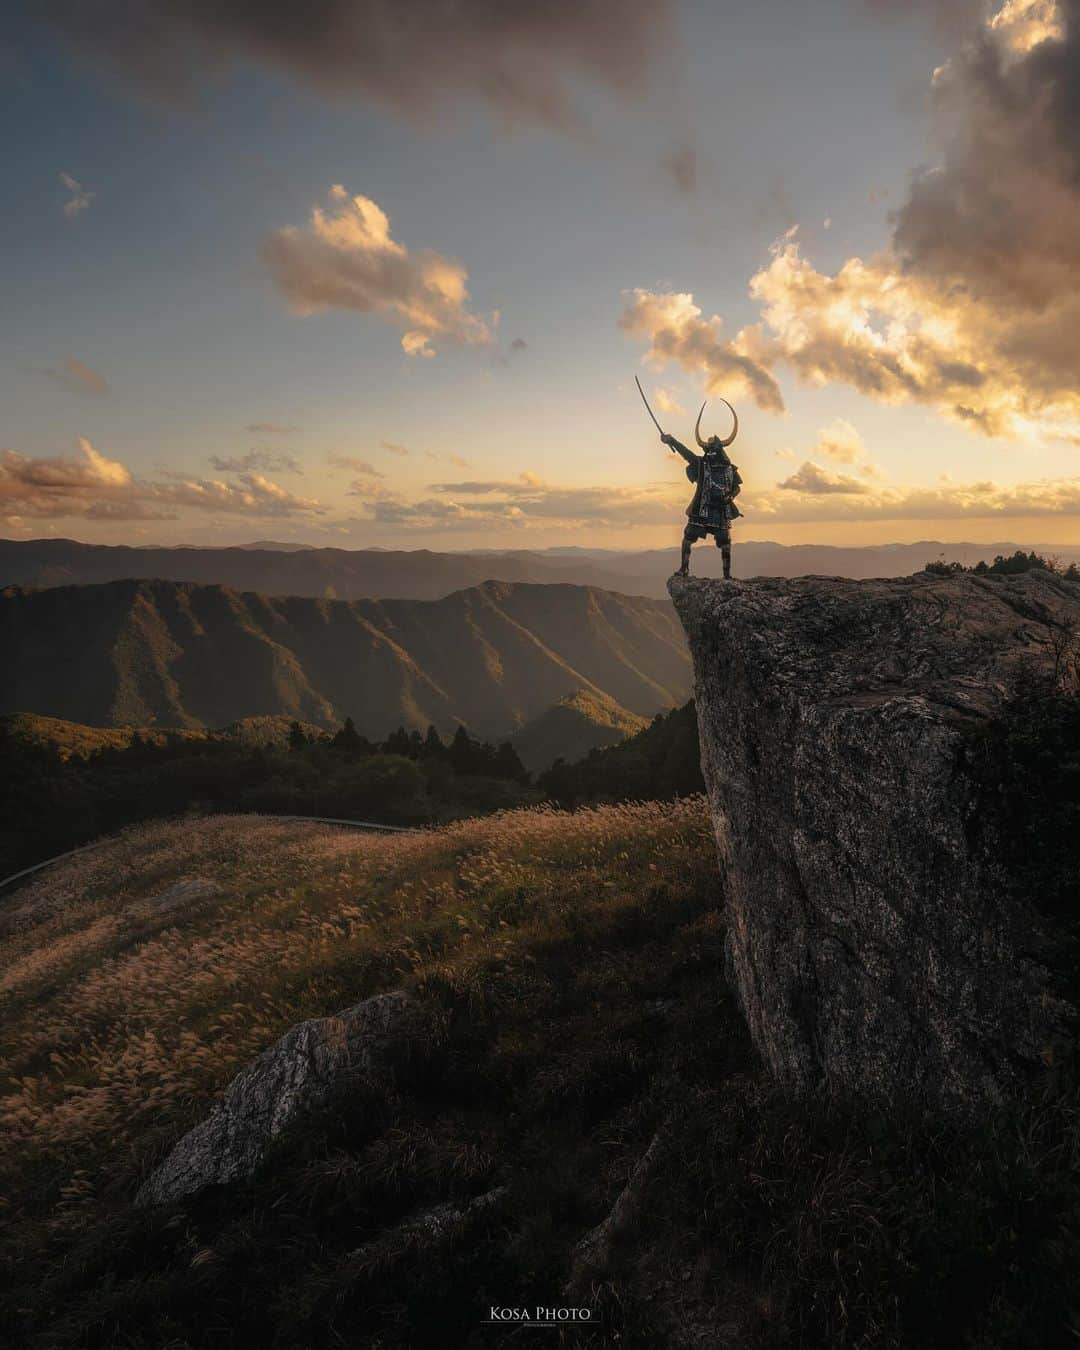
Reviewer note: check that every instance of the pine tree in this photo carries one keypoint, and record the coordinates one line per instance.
(462, 751)
(349, 739)
(508, 764)
(398, 743)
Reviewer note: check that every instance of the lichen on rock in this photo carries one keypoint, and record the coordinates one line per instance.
(873, 938)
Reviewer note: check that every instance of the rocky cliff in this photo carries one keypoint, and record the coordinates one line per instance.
(875, 941)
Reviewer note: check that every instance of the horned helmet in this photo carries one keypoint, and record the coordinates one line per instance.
(715, 445)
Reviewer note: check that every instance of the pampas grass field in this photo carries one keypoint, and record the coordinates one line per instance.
(569, 970)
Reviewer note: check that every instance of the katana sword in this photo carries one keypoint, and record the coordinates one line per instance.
(644, 400)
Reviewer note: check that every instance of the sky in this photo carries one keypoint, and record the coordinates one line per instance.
(386, 277)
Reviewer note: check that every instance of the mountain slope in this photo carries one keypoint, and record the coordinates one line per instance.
(572, 727)
(145, 653)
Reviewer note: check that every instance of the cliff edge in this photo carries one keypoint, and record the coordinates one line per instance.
(874, 939)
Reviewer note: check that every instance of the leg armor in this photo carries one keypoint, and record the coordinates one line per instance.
(691, 533)
(723, 543)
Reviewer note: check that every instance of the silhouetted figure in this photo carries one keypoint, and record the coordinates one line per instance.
(718, 484)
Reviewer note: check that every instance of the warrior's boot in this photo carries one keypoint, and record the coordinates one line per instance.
(725, 552)
(684, 565)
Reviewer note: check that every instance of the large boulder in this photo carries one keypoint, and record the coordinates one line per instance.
(312, 1067)
(875, 942)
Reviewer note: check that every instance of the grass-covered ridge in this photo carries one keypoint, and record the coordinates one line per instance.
(569, 973)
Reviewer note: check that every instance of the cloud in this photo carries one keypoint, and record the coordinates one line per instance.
(408, 57)
(676, 331)
(952, 18)
(945, 501)
(370, 490)
(973, 306)
(814, 479)
(525, 502)
(346, 259)
(813, 493)
(458, 460)
(93, 487)
(840, 442)
(272, 428)
(256, 459)
(682, 167)
(356, 465)
(895, 338)
(75, 375)
(667, 402)
(80, 197)
(395, 448)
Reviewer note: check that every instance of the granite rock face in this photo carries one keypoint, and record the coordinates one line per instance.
(872, 940)
(313, 1066)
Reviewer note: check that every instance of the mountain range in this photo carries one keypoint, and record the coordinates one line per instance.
(360, 574)
(492, 657)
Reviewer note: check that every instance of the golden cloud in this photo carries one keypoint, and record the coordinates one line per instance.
(92, 486)
(813, 479)
(946, 501)
(346, 258)
(673, 325)
(840, 442)
(973, 308)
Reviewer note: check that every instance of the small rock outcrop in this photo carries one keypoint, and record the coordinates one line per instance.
(313, 1066)
(873, 939)
(592, 1255)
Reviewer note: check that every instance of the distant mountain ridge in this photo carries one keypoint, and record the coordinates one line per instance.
(493, 657)
(375, 573)
(76, 738)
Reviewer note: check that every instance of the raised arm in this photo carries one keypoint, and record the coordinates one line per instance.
(679, 448)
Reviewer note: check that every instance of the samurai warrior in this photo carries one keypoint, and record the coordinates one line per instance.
(718, 484)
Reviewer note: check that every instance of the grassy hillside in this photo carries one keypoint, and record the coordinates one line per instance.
(62, 785)
(155, 653)
(568, 971)
(578, 723)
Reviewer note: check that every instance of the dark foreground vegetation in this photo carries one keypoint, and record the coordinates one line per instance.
(568, 971)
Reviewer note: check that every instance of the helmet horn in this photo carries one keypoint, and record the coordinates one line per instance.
(697, 427)
(734, 429)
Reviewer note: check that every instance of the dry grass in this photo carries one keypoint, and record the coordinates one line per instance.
(569, 970)
(114, 1014)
